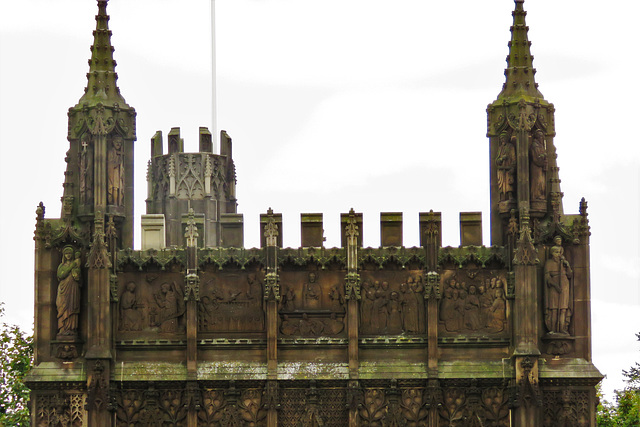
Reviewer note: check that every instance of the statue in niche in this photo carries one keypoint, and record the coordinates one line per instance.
(130, 315)
(312, 293)
(497, 312)
(86, 172)
(115, 172)
(557, 277)
(68, 294)
(506, 164)
(287, 301)
(171, 307)
(538, 166)
(336, 298)
(366, 307)
(394, 325)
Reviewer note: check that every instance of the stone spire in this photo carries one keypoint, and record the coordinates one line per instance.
(521, 128)
(101, 132)
(101, 78)
(520, 80)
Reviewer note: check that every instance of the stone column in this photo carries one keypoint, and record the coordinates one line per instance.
(272, 296)
(352, 295)
(525, 326)
(192, 297)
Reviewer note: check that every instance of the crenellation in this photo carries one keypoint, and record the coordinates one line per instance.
(311, 230)
(391, 229)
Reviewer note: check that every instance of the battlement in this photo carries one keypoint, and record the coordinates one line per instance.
(175, 144)
(178, 182)
(312, 229)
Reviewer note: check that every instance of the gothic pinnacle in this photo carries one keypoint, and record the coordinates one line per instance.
(101, 78)
(520, 74)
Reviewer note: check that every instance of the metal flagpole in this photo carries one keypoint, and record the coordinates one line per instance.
(214, 124)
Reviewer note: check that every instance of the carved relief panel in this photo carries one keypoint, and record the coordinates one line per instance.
(66, 409)
(150, 303)
(473, 301)
(312, 303)
(231, 301)
(392, 302)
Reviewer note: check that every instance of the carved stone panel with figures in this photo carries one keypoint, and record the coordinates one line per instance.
(231, 301)
(150, 304)
(392, 302)
(312, 303)
(473, 301)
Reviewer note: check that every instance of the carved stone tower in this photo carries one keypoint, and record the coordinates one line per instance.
(178, 182)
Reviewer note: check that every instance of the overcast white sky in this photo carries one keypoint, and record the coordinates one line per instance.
(377, 105)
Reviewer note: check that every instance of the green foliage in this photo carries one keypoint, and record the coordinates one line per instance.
(16, 357)
(626, 411)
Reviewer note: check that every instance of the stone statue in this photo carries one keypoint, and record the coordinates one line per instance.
(497, 312)
(506, 163)
(68, 295)
(115, 173)
(538, 167)
(86, 173)
(557, 277)
(366, 307)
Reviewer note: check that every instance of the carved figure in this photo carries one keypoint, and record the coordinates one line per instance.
(506, 163)
(336, 298)
(380, 311)
(538, 166)
(130, 316)
(287, 301)
(115, 173)
(288, 327)
(409, 307)
(170, 307)
(333, 326)
(86, 173)
(557, 275)
(366, 308)
(68, 295)
(418, 289)
(312, 293)
(310, 327)
(472, 310)
(497, 312)
(394, 325)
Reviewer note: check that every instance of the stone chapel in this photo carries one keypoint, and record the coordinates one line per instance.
(195, 329)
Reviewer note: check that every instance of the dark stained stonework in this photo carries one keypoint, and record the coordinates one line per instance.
(195, 329)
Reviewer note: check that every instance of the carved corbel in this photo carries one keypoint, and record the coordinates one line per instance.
(432, 285)
(97, 390)
(352, 286)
